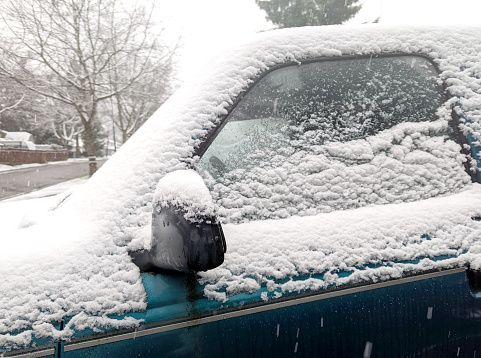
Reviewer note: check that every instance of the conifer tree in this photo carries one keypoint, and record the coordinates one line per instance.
(296, 13)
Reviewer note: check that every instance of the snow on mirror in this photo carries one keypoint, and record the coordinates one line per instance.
(334, 135)
(186, 234)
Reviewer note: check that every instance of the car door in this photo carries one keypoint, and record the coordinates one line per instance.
(339, 135)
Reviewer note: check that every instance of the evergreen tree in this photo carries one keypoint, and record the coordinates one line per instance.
(296, 13)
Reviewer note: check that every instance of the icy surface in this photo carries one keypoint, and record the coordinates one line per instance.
(75, 262)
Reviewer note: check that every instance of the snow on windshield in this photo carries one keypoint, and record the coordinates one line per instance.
(75, 262)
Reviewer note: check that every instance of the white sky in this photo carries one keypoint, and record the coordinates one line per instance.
(419, 12)
(210, 26)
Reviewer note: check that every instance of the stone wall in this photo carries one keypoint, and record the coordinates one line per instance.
(25, 156)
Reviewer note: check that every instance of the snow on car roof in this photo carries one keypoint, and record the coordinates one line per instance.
(73, 261)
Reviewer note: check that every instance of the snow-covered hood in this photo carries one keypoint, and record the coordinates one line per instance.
(74, 260)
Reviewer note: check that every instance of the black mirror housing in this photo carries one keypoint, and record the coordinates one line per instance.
(186, 233)
(181, 245)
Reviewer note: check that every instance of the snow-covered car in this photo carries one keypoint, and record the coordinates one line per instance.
(339, 168)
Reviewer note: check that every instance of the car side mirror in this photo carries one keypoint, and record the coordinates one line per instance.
(474, 281)
(186, 233)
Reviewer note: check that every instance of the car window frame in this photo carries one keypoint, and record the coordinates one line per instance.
(460, 138)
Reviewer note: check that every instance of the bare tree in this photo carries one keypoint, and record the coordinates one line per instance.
(7, 107)
(10, 97)
(24, 110)
(67, 130)
(131, 108)
(67, 50)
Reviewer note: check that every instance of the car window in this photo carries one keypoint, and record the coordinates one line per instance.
(334, 135)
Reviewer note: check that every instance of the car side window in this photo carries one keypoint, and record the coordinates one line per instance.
(334, 135)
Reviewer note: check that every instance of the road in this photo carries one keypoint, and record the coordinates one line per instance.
(22, 181)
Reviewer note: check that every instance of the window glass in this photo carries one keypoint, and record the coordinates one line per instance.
(333, 135)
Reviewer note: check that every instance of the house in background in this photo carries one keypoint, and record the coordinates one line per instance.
(18, 136)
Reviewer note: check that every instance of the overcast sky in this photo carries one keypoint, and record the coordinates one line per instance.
(430, 12)
(210, 26)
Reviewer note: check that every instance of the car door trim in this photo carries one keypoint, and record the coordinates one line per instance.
(213, 317)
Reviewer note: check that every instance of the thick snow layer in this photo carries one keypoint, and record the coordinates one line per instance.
(48, 277)
(41, 275)
(75, 262)
(372, 243)
(21, 136)
(185, 190)
(408, 162)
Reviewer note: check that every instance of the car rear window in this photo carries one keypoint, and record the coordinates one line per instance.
(334, 135)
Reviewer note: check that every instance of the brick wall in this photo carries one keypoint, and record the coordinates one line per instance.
(25, 156)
